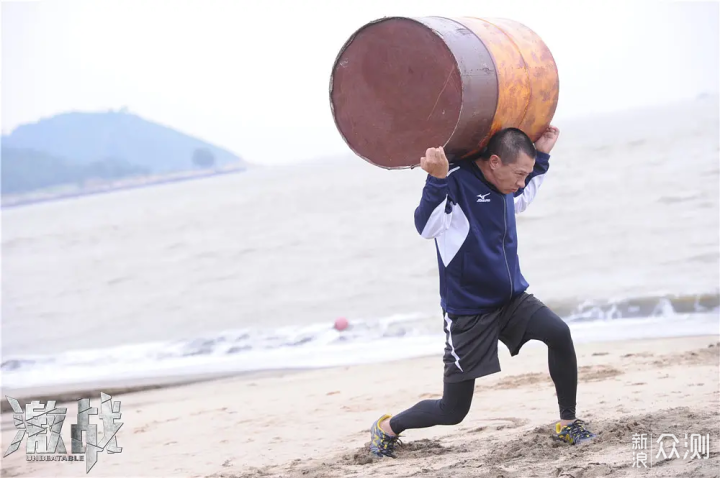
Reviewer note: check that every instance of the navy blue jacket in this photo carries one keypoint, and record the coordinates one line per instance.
(475, 236)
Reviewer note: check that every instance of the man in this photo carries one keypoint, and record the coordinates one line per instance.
(469, 209)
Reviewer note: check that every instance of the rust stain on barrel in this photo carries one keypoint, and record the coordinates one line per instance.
(543, 72)
(512, 75)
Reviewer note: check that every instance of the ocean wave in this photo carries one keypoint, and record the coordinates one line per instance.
(651, 306)
(364, 341)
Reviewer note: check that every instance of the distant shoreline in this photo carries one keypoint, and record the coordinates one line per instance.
(19, 200)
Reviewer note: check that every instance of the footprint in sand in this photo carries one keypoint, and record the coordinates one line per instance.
(153, 424)
(500, 423)
(526, 379)
(590, 373)
(201, 412)
(430, 396)
(706, 356)
(597, 373)
(639, 354)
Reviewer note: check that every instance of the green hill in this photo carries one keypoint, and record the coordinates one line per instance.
(76, 147)
(25, 170)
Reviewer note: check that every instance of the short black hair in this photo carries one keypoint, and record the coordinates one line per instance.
(508, 143)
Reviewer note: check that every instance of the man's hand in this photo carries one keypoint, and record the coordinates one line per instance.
(547, 140)
(435, 162)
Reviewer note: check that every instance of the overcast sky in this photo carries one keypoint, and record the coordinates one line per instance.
(253, 76)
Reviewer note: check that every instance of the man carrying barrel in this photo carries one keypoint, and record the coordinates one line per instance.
(469, 208)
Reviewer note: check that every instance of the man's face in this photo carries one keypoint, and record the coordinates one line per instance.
(508, 178)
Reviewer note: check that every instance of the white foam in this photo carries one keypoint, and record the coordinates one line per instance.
(325, 348)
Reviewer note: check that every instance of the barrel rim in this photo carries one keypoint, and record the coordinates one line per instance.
(337, 59)
(463, 104)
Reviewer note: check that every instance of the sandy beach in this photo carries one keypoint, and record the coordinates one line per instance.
(315, 423)
(253, 315)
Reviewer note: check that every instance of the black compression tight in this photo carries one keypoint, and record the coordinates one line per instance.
(454, 405)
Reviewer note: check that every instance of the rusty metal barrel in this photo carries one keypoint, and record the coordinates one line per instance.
(401, 85)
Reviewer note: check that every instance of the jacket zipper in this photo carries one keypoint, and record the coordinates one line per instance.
(503, 243)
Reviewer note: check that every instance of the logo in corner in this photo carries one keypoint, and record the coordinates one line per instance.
(483, 197)
(42, 424)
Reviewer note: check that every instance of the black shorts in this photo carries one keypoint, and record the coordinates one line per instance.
(471, 341)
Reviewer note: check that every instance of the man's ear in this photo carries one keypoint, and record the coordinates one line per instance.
(495, 161)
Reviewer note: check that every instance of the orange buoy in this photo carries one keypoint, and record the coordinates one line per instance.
(341, 323)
